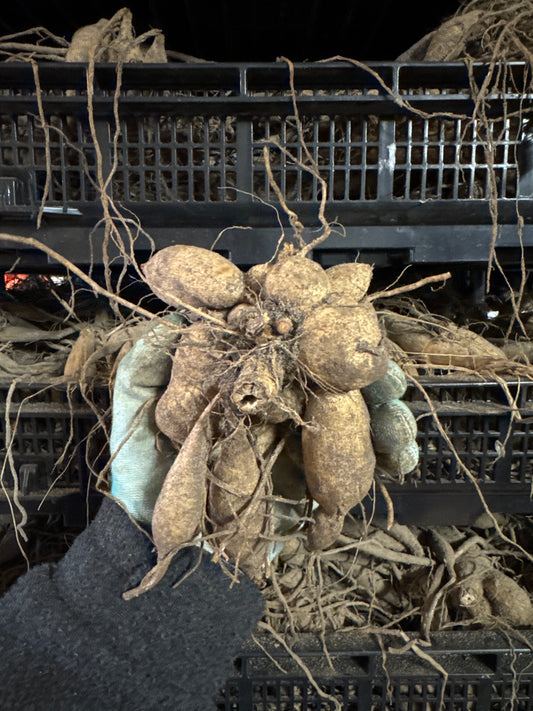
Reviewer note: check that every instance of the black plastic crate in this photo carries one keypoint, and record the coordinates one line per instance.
(408, 188)
(485, 673)
(48, 428)
(491, 431)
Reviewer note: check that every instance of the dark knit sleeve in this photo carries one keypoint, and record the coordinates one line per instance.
(69, 640)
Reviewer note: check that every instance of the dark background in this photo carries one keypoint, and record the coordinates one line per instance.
(235, 30)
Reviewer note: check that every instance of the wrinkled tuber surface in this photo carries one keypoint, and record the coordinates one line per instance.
(338, 459)
(283, 340)
(484, 592)
(349, 282)
(186, 275)
(438, 344)
(193, 383)
(237, 505)
(341, 346)
(179, 508)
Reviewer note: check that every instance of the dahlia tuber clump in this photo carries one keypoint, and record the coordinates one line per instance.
(271, 360)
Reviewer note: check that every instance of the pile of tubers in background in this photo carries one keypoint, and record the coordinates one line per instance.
(266, 384)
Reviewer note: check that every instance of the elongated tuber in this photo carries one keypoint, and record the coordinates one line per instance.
(193, 383)
(338, 459)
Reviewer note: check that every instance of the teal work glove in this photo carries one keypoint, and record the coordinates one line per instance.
(392, 423)
(141, 454)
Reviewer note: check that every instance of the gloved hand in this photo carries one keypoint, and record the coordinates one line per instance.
(392, 423)
(140, 455)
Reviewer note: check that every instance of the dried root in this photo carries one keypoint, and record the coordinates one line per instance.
(110, 40)
(405, 579)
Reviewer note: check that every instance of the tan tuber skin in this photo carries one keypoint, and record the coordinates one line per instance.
(258, 383)
(180, 505)
(289, 334)
(341, 346)
(349, 283)
(183, 275)
(485, 592)
(451, 346)
(338, 460)
(296, 283)
(193, 383)
(237, 506)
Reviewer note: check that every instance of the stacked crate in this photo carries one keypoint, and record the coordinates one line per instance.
(409, 178)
